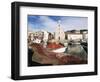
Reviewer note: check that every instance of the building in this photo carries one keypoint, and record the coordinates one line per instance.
(38, 34)
(30, 36)
(59, 33)
(35, 37)
(75, 36)
(37, 41)
(45, 36)
(50, 36)
(85, 35)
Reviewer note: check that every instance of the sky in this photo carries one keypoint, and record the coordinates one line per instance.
(49, 23)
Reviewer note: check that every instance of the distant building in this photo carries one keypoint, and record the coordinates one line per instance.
(35, 37)
(30, 36)
(37, 41)
(77, 31)
(59, 33)
(45, 36)
(85, 35)
(75, 36)
(50, 36)
(38, 34)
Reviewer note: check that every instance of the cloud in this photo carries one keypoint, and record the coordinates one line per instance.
(77, 23)
(32, 28)
(49, 24)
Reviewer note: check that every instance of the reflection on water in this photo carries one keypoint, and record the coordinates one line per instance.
(77, 50)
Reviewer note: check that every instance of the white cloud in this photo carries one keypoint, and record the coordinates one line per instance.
(49, 24)
(31, 28)
(67, 23)
(74, 23)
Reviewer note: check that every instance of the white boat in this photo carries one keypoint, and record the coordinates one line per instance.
(60, 50)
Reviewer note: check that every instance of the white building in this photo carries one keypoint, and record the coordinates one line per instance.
(75, 36)
(45, 36)
(37, 41)
(35, 37)
(85, 35)
(31, 36)
(59, 33)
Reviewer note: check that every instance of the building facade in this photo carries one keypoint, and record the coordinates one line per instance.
(75, 36)
(59, 33)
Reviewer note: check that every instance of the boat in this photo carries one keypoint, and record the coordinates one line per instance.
(60, 50)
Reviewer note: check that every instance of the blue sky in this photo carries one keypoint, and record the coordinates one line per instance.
(49, 23)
